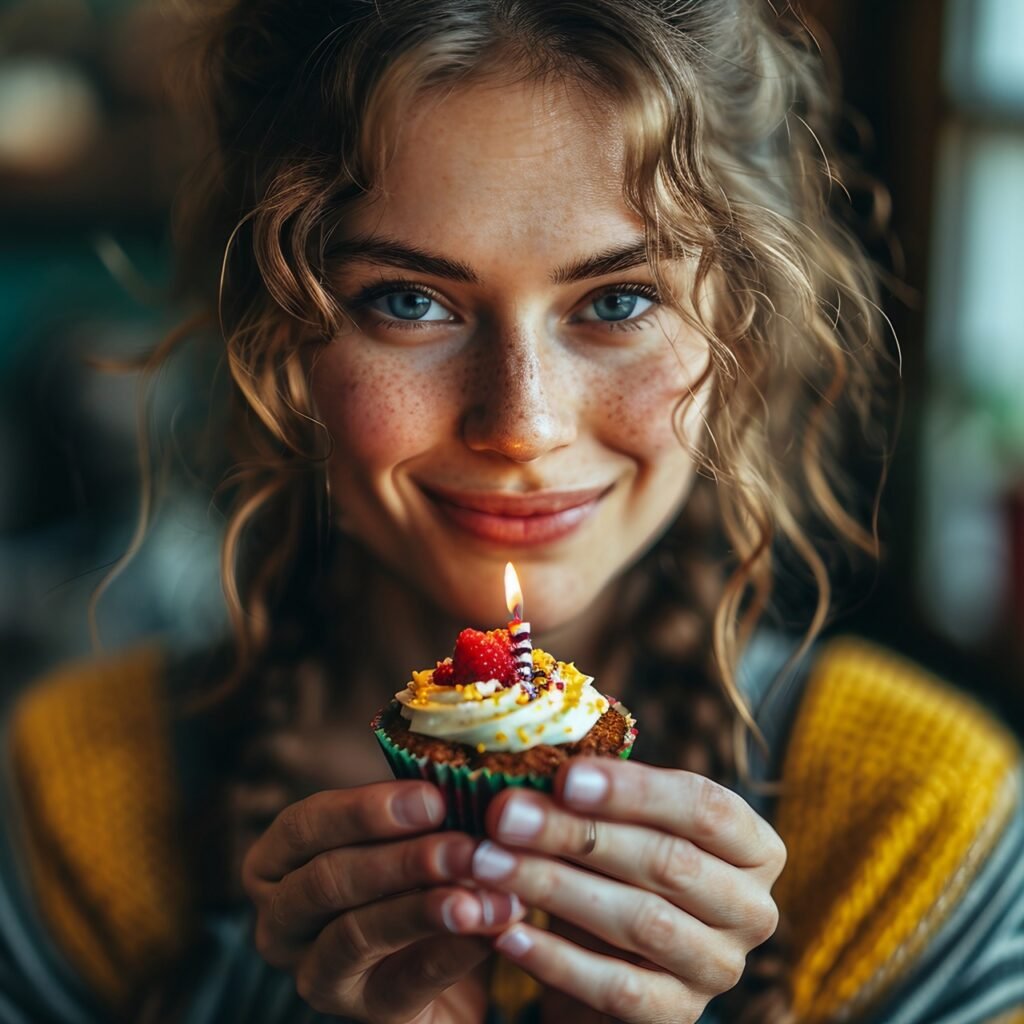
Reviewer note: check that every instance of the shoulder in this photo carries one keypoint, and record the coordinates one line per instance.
(91, 776)
(898, 790)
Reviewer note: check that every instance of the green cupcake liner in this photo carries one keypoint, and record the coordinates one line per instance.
(468, 791)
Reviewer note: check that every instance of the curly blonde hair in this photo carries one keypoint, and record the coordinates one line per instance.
(728, 119)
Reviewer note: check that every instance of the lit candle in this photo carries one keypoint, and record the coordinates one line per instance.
(519, 631)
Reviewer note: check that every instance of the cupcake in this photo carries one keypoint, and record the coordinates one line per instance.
(497, 713)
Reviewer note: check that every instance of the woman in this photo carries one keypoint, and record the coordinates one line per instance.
(554, 282)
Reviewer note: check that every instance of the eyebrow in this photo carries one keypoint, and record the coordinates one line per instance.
(388, 251)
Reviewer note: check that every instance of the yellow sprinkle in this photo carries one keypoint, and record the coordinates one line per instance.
(539, 730)
(481, 748)
(568, 728)
(523, 734)
(522, 699)
(500, 737)
(459, 687)
(542, 661)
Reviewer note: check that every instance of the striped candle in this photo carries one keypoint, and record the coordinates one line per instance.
(519, 631)
(522, 648)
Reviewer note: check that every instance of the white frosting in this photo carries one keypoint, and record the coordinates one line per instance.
(486, 716)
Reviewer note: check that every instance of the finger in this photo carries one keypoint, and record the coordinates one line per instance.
(683, 803)
(341, 817)
(357, 940)
(715, 892)
(342, 879)
(332, 972)
(609, 985)
(621, 915)
(400, 986)
(585, 940)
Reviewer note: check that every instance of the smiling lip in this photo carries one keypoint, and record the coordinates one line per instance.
(518, 519)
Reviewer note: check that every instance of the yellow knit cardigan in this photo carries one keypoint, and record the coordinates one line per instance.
(896, 787)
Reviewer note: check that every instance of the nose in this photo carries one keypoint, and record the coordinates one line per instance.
(520, 406)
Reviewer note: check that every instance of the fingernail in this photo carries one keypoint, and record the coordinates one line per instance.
(514, 943)
(492, 862)
(460, 914)
(585, 785)
(520, 820)
(416, 807)
(498, 907)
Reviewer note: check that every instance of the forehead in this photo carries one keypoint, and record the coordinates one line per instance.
(517, 164)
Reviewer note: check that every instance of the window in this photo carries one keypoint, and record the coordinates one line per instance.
(974, 423)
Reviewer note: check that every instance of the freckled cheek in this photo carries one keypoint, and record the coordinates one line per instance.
(377, 420)
(635, 412)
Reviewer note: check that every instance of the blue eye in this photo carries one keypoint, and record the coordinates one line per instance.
(614, 306)
(409, 305)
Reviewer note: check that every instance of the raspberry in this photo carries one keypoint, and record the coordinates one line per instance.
(443, 674)
(481, 656)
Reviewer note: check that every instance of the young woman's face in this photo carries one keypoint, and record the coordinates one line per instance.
(506, 393)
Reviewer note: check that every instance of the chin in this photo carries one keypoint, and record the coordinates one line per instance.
(549, 615)
(554, 595)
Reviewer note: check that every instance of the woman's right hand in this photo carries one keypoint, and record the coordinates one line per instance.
(357, 898)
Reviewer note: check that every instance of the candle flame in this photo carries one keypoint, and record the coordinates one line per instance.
(513, 592)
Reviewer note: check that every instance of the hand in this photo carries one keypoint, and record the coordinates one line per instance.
(672, 897)
(355, 897)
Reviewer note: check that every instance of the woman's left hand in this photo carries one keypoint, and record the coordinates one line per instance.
(668, 872)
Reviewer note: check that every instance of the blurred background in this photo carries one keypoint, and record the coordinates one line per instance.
(90, 155)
